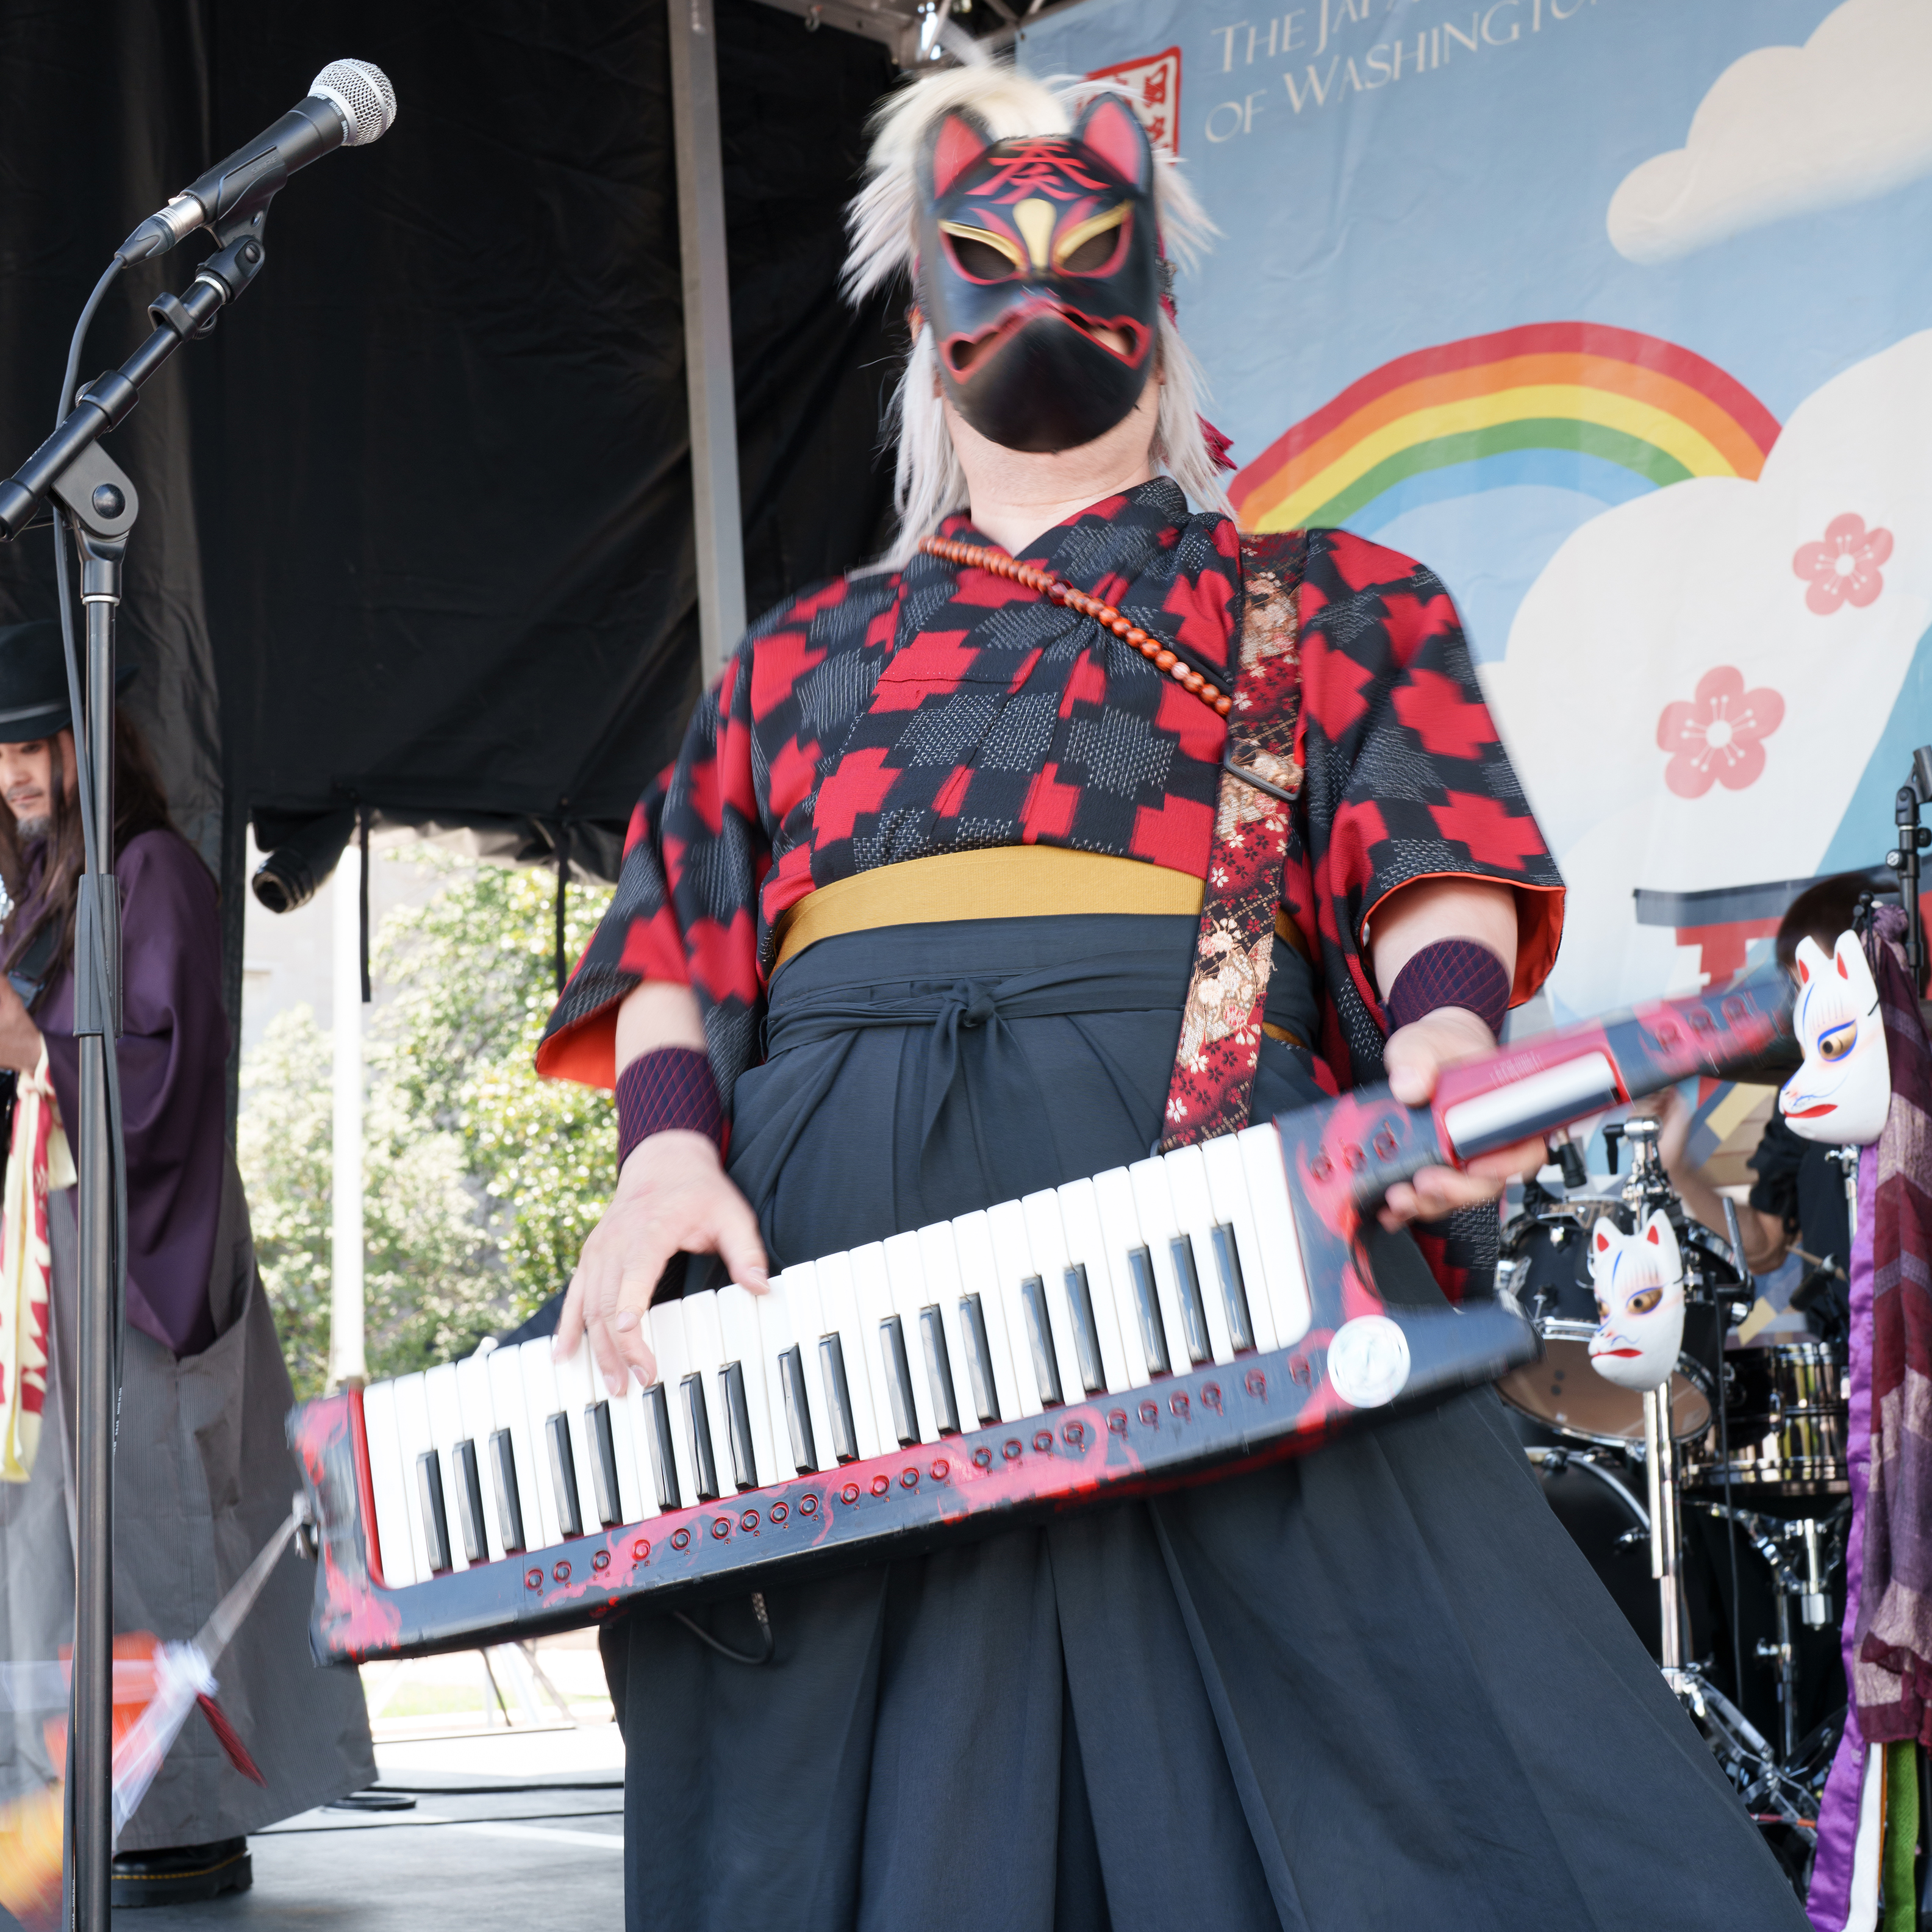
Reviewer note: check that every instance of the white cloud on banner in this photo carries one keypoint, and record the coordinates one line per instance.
(1790, 130)
(1695, 684)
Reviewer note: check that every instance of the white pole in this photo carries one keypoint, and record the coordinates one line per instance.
(347, 1367)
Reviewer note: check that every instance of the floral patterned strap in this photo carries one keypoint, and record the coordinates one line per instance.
(1221, 1024)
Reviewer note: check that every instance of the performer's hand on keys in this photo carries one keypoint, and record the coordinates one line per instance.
(673, 1196)
(1414, 1055)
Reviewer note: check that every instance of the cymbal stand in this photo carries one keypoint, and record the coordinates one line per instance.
(1801, 1552)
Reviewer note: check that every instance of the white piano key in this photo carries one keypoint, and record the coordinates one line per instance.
(509, 1405)
(838, 1298)
(479, 1424)
(1186, 1175)
(979, 1274)
(636, 1498)
(1113, 1195)
(635, 1442)
(872, 1296)
(580, 1383)
(395, 1547)
(413, 1438)
(1088, 1246)
(704, 1337)
(1046, 1236)
(1228, 1183)
(1274, 1227)
(940, 1256)
(446, 1432)
(1012, 1261)
(738, 1315)
(1160, 1228)
(905, 1275)
(804, 1314)
(776, 1340)
(673, 1360)
(541, 1402)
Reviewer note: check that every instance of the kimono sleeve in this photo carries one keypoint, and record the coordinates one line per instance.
(686, 904)
(1407, 775)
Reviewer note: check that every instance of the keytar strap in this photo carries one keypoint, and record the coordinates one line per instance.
(1221, 1026)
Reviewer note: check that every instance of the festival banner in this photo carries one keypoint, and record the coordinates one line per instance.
(1617, 314)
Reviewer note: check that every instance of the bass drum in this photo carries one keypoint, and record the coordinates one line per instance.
(1545, 1266)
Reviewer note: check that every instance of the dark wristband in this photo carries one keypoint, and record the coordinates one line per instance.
(667, 1088)
(1451, 973)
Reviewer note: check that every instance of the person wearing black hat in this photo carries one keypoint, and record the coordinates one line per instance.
(203, 1476)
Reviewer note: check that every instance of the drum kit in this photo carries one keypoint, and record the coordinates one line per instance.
(1732, 1476)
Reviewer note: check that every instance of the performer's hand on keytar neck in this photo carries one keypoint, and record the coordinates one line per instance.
(1411, 917)
(29, 770)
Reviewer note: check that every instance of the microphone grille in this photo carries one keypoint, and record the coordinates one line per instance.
(361, 93)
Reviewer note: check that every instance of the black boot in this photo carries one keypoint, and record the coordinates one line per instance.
(181, 1874)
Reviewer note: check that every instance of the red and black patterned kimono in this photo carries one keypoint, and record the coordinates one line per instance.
(1377, 1686)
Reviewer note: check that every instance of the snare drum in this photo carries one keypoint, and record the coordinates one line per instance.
(1788, 1410)
(1546, 1265)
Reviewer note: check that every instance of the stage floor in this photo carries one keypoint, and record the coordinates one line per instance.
(493, 1856)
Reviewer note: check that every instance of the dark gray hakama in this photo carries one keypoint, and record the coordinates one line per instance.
(1374, 1687)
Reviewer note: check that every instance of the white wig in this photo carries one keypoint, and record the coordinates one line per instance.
(883, 223)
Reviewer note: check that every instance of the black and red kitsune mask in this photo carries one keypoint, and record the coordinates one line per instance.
(1040, 274)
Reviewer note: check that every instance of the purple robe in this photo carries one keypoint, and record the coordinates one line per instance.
(173, 1058)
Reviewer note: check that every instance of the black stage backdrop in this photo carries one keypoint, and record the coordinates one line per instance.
(416, 528)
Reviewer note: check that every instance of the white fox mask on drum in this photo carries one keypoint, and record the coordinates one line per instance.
(1639, 1283)
(1843, 1092)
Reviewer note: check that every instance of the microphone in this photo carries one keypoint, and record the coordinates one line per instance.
(349, 104)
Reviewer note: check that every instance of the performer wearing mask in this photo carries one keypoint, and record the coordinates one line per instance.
(203, 1474)
(914, 926)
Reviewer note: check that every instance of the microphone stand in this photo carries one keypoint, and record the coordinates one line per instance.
(102, 503)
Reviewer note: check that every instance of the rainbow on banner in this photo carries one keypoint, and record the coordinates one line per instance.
(1607, 411)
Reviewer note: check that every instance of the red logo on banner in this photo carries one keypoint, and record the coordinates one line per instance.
(1154, 84)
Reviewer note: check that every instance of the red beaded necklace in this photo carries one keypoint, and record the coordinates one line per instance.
(1057, 590)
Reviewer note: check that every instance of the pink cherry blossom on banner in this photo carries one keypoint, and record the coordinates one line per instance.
(1718, 735)
(1844, 569)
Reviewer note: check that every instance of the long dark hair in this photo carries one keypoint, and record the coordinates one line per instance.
(42, 876)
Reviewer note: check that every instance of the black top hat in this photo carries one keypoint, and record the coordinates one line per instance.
(33, 682)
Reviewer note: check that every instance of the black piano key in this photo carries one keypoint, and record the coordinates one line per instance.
(1193, 1310)
(563, 1476)
(979, 1358)
(469, 1502)
(1086, 1335)
(664, 1452)
(939, 1369)
(839, 1398)
(1040, 1338)
(899, 1380)
(738, 1426)
(603, 1464)
(1147, 1307)
(435, 1517)
(697, 1426)
(1234, 1289)
(798, 1411)
(509, 1502)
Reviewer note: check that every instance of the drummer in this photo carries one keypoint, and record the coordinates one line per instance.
(1797, 1207)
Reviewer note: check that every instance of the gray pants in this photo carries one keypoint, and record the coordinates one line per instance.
(202, 1477)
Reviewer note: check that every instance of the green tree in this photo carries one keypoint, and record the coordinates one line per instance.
(473, 975)
(481, 1180)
